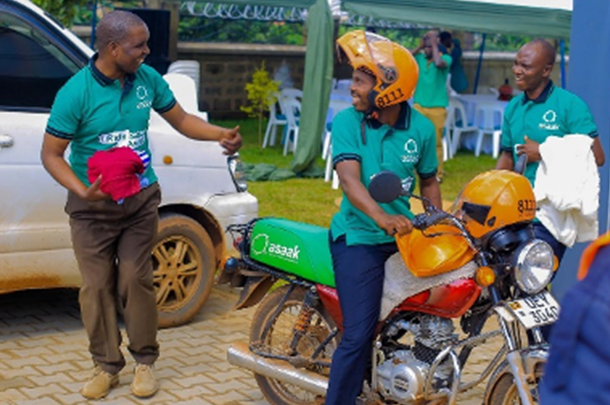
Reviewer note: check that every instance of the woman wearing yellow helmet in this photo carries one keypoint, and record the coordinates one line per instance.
(380, 132)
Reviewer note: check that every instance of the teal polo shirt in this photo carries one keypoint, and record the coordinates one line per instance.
(431, 90)
(95, 113)
(556, 112)
(406, 149)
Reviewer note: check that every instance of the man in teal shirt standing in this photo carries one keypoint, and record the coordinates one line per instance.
(431, 98)
(380, 132)
(103, 106)
(542, 110)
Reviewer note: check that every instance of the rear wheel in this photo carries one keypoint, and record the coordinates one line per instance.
(184, 267)
(278, 338)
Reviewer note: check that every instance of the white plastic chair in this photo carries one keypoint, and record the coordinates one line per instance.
(486, 119)
(447, 149)
(292, 109)
(275, 119)
(191, 68)
(334, 107)
(184, 90)
(291, 93)
(458, 123)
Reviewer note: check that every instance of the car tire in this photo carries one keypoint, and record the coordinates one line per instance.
(184, 265)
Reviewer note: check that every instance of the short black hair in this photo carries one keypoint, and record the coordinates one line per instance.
(114, 27)
(445, 35)
(547, 49)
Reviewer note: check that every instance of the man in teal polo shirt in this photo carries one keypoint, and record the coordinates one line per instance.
(541, 111)
(431, 98)
(106, 105)
(380, 132)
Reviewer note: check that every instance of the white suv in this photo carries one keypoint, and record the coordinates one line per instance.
(203, 191)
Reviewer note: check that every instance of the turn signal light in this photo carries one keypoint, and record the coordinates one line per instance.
(485, 276)
(555, 263)
(168, 160)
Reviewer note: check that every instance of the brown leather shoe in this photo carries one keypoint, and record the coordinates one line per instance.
(100, 384)
(144, 383)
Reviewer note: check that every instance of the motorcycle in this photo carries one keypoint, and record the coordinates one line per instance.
(457, 269)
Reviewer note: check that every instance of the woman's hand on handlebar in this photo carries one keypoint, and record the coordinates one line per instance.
(394, 224)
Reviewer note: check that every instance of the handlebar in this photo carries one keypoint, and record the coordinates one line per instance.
(423, 221)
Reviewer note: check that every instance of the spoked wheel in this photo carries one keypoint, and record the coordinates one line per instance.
(501, 389)
(278, 338)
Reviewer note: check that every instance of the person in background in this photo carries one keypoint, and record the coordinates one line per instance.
(542, 110)
(379, 132)
(505, 91)
(431, 98)
(106, 107)
(577, 371)
(458, 80)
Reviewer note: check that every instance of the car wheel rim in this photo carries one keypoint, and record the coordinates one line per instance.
(177, 272)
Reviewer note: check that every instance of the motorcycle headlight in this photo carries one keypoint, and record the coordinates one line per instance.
(236, 168)
(534, 266)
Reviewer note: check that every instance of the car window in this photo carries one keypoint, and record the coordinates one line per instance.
(32, 69)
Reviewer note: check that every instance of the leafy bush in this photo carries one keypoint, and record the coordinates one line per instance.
(262, 93)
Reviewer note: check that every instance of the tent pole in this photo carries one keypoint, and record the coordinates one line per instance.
(562, 48)
(476, 78)
(93, 23)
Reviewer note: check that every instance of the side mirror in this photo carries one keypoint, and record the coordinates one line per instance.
(385, 187)
(521, 164)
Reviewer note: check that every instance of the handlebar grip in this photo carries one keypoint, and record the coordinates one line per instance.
(423, 221)
(419, 221)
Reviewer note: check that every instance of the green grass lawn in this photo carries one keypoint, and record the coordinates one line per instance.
(314, 201)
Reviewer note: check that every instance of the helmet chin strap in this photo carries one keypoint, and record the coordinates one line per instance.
(373, 111)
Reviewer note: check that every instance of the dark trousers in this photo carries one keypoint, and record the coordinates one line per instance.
(113, 244)
(359, 272)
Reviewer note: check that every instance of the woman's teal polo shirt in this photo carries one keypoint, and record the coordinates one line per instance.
(95, 113)
(407, 149)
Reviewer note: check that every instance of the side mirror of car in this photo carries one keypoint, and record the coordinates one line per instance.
(386, 186)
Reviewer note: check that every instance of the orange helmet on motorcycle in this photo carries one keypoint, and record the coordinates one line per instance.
(393, 66)
(493, 200)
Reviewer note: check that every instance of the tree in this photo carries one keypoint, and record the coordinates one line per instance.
(262, 93)
(63, 10)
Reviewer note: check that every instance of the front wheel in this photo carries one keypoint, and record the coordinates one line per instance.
(501, 389)
(279, 336)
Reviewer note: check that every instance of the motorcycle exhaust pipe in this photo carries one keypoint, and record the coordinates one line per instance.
(240, 355)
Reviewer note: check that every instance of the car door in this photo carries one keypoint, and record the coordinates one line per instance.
(36, 59)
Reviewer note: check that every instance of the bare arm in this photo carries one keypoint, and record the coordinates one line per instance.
(195, 128)
(358, 195)
(52, 155)
(436, 55)
(598, 152)
(430, 189)
(418, 48)
(505, 161)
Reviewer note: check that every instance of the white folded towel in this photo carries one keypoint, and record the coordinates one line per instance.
(567, 189)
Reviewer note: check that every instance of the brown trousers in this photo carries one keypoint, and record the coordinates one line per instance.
(113, 244)
(437, 115)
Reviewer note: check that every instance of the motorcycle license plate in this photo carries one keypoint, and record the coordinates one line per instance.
(537, 310)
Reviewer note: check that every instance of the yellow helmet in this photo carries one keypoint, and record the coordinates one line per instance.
(392, 65)
(493, 200)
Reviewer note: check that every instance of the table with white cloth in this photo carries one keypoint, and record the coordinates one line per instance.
(474, 102)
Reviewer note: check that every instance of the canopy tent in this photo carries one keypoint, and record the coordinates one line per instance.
(546, 18)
